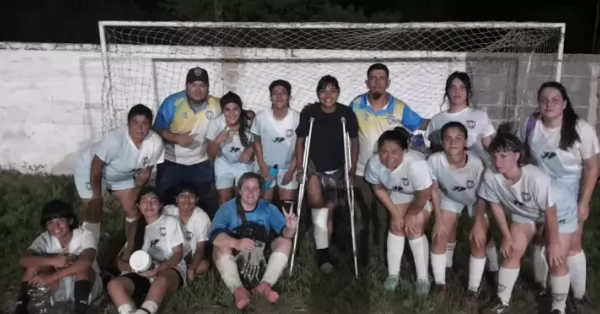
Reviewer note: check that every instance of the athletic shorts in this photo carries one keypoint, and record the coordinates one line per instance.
(333, 183)
(450, 205)
(227, 175)
(399, 198)
(84, 187)
(66, 289)
(564, 226)
(292, 185)
(141, 285)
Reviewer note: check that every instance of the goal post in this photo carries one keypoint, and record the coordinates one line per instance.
(144, 62)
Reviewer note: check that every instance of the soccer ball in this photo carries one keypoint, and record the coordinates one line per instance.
(140, 261)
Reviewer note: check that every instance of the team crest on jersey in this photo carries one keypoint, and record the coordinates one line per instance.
(209, 114)
(162, 231)
(391, 120)
(470, 184)
(405, 181)
(145, 161)
(526, 196)
(471, 124)
(289, 133)
(188, 235)
(185, 115)
(366, 116)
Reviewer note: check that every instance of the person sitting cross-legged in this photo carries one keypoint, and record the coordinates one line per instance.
(240, 233)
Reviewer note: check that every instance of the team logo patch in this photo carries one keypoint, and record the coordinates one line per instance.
(405, 181)
(289, 133)
(188, 235)
(162, 231)
(470, 184)
(185, 115)
(526, 197)
(366, 116)
(145, 161)
(197, 72)
(209, 114)
(471, 124)
(391, 119)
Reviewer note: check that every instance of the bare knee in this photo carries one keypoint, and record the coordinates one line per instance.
(219, 252)
(86, 274)
(282, 245)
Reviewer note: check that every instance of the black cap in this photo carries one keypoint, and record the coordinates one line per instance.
(197, 74)
(231, 97)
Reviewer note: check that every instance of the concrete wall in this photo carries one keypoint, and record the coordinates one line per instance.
(52, 94)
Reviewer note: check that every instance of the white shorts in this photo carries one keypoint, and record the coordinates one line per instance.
(227, 175)
(84, 187)
(450, 205)
(564, 226)
(292, 185)
(66, 289)
(403, 198)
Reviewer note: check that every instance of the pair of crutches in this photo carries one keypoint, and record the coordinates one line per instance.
(349, 189)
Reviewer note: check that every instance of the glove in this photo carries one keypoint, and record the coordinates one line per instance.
(252, 262)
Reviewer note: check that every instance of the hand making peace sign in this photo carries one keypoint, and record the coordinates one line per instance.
(291, 221)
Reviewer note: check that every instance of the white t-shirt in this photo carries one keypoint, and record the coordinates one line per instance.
(196, 229)
(561, 165)
(410, 176)
(278, 137)
(161, 237)
(528, 198)
(122, 158)
(232, 148)
(82, 240)
(476, 121)
(459, 185)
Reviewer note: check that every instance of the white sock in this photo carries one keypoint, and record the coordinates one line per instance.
(450, 254)
(476, 269)
(125, 309)
(319, 217)
(540, 268)
(395, 250)
(560, 289)
(275, 266)
(149, 306)
(229, 271)
(94, 228)
(577, 268)
(420, 250)
(492, 257)
(438, 266)
(506, 283)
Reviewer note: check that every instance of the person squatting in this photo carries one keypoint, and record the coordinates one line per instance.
(536, 184)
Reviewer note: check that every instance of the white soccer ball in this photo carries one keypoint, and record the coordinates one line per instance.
(140, 261)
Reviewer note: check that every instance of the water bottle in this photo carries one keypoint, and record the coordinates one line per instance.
(41, 300)
(273, 171)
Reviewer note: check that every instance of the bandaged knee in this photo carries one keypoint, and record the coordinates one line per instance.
(275, 266)
(319, 217)
(229, 271)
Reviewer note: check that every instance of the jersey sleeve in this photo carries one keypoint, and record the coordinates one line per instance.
(431, 162)
(372, 171)
(256, 124)
(174, 235)
(40, 244)
(488, 126)
(213, 129)
(87, 240)
(486, 190)
(204, 225)
(303, 123)
(544, 198)
(165, 114)
(589, 141)
(419, 180)
(159, 151)
(276, 219)
(352, 123)
(107, 150)
(221, 221)
(410, 119)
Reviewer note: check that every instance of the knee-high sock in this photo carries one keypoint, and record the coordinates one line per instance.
(229, 271)
(420, 250)
(395, 250)
(275, 266)
(319, 216)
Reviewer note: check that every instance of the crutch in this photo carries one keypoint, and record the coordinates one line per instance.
(301, 190)
(350, 192)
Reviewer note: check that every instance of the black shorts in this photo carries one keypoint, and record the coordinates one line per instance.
(141, 285)
(208, 251)
(333, 183)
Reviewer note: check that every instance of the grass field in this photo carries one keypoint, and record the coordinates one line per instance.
(308, 291)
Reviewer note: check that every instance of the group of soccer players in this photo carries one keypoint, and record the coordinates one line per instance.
(542, 178)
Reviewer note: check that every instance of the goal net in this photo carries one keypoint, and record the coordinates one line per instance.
(147, 61)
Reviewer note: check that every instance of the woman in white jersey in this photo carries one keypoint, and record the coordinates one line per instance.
(275, 140)
(457, 95)
(456, 175)
(566, 148)
(194, 225)
(121, 161)
(62, 258)
(230, 145)
(401, 181)
(527, 194)
(161, 237)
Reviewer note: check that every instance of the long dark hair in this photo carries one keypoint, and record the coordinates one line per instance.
(140, 223)
(244, 120)
(238, 200)
(465, 79)
(568, 130)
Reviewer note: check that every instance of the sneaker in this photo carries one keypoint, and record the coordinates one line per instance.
(324, 261)
(496, 306)
(422, 288)
(391, 283)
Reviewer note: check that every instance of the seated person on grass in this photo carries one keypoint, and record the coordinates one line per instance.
(194, 225)
(62, 258)
(160, 236)
(241, 232)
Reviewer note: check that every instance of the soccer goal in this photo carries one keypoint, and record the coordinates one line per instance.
(146, 61)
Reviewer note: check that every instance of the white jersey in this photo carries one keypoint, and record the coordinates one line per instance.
(122, 158)
(476, 121)
(459, 185)
(161, 237)
(410, 176)
(81, 240)
(196, 229)
(278, 137)
(563, 166)
(232, 148)
(528, 198)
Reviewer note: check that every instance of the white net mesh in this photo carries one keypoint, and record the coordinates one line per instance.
(146, 63)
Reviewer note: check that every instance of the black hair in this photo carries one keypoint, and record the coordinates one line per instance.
(465, 79)
(454, 125)
(568, 130)
(140, 110)
(140, 224)
(283, 83)
(238, 200)
(508, 142)
(188, 187)
(58, 209)
(399, 135)
(244, 122)
(378, 66)
(326, 81)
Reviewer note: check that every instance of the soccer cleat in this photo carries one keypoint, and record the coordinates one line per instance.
(391, 283)
(422, 288)
(496, 306)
